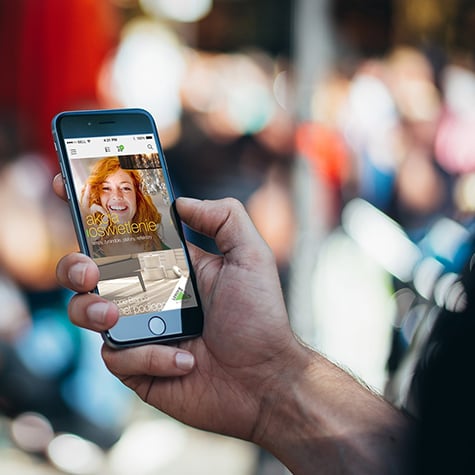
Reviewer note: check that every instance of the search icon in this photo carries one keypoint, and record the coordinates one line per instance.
(149, 146)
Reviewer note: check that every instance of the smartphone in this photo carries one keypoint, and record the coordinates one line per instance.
(122, 206)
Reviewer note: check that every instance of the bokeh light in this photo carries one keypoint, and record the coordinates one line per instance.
(147, 71)
(32, 432)
(74, 455)
(147, 446)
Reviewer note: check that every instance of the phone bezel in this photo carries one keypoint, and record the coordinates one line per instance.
(97, 123)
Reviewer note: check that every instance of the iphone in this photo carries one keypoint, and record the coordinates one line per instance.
(122, 206)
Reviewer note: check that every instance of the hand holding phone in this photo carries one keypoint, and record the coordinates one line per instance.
(121, 201)
(216, 381)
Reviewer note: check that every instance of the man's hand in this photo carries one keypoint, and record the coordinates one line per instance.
(248, 376)
(224, 373)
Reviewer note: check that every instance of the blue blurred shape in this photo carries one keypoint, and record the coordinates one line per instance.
(47, 348)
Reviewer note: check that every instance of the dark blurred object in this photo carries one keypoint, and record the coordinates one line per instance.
(262, 24)
(433, 353)
(204, 168)
(365, 26)
(10, 140)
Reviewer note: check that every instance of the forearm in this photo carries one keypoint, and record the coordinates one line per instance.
(321, 420)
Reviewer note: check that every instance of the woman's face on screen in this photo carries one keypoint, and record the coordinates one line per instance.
(118, 196)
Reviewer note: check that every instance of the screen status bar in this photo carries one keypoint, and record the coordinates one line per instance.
(110, 146)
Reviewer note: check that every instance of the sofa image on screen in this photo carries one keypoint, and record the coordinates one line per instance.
(119, 267)
(169, 264)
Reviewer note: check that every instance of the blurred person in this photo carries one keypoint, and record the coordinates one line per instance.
(113, 195)
(390, 121)
(36, 230)
(454, 143)
(369, 122)
(242, 132)
(271, 210)
(421, 186)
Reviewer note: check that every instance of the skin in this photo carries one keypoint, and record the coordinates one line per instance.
(118, 196)
(248, 376)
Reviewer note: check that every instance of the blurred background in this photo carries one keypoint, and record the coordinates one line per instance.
(344, 126)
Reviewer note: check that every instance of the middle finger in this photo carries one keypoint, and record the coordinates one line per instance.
(92, 312)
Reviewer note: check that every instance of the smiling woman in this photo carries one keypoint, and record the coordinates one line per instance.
(115, 206)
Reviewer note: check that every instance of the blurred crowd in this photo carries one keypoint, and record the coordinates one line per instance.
(391, 143)
(393, 130)
(396, 133)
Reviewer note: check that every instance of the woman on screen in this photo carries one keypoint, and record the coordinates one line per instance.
(120, 218)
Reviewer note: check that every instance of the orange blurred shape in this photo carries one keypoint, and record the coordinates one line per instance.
(326, 150)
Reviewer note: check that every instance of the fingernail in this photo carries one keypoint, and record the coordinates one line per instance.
(97, 311)
(184, 361)
(77, 273)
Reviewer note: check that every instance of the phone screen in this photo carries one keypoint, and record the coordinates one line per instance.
(123, 200)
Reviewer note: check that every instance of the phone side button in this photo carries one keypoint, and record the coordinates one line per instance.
(157, 326)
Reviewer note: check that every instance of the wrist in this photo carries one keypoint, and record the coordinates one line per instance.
(318, 416)
(279, 408)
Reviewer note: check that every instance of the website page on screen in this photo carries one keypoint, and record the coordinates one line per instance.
(125, 209)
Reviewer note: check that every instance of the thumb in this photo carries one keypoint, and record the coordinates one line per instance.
(226, 221)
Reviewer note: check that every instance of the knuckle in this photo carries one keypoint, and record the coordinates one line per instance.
(150, 362)
(74, 306)
(234, 205)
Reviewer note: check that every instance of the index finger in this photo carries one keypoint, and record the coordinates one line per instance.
(58, 186)
(77, 272)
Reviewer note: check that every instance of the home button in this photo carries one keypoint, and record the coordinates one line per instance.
(157, 326)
